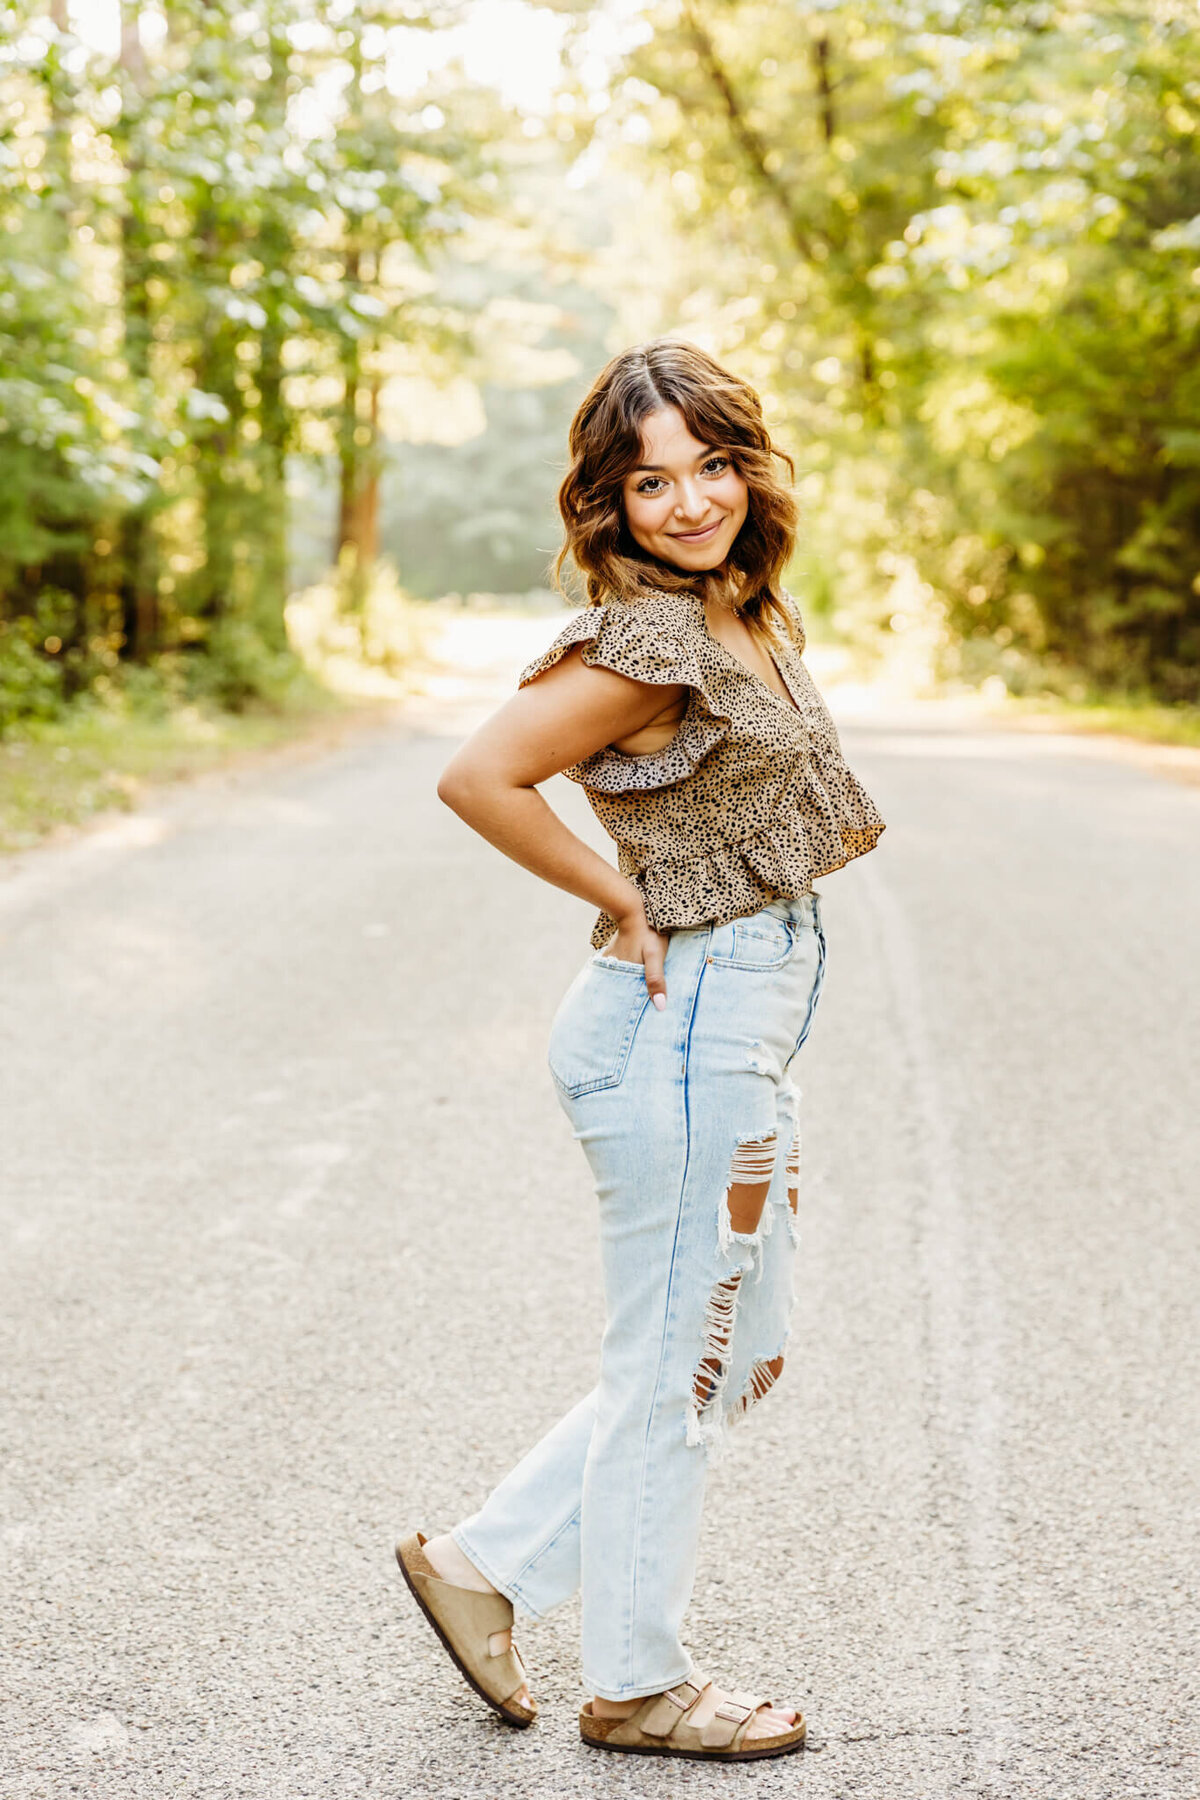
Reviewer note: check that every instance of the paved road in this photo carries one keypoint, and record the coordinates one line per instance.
(299, 1253)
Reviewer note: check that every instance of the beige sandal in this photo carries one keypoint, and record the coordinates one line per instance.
(661, 1726)
(465, 1620)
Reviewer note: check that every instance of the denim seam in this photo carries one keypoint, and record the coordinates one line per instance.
(662, 1348)
(543, 1549)
(514, 1590)
(818, 980)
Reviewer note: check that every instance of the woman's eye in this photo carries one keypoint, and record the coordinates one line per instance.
(653, 484)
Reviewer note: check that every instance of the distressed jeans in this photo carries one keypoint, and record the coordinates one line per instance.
(688, 1118)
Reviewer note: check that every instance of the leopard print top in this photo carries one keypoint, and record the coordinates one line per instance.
(751, 798)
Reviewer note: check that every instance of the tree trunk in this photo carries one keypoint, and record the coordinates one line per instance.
(137, 575)
(275, 253)
(820, 56)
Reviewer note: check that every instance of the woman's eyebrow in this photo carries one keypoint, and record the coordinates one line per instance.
(661, 468)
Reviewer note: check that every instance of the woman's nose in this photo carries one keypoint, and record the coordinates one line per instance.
(691, 502)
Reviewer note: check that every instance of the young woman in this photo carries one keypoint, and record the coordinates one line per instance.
(679, 700)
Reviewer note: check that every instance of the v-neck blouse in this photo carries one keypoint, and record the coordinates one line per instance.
(750, 801)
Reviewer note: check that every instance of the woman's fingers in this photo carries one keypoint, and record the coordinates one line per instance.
(653, 954)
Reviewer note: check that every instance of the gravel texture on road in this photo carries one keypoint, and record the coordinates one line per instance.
(300, 1255)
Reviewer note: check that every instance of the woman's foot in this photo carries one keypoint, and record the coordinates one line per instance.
(460, 1571)
(768, 1721)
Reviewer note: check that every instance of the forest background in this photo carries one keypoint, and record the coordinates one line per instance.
(297, 298)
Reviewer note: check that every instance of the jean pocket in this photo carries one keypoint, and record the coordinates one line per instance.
(593, 1030)
(762, 941)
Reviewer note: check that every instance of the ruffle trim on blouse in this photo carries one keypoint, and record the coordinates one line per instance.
(744, 874)
(631, 639)
(801, 637)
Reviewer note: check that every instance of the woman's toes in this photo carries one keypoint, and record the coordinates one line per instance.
(769, 1721)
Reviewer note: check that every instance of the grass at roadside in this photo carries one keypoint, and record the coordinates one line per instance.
(63, 773)
(107, 748)
(910, 671)
(1147, 720)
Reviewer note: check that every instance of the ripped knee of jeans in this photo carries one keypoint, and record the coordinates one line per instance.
(744, 1220)
(750, 1175)
(763, 1376)
(719, 1318)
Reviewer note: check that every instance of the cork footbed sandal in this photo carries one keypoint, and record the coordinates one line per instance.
(464, 1620)
(662, 1726)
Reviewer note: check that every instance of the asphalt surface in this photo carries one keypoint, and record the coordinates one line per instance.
(299, 1254)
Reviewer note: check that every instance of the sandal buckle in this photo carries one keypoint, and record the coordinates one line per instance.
(675, 1695)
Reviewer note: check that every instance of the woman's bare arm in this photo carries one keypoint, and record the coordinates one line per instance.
(569, 712)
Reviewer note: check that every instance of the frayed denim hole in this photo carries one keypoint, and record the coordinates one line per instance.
(743, 1221)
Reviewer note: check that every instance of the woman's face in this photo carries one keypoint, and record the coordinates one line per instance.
(685, 502)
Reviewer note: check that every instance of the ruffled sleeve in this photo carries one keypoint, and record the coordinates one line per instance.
(801, 637)
(647, 640)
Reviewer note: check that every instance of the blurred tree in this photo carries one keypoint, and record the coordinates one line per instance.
(956, 247)
(957, 250)
(1080, 231)
(473, 508)
(206, 241)
(399, 186)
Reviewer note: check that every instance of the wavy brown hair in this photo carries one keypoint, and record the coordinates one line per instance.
(606, 445)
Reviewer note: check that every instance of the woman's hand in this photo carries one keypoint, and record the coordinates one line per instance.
(638, 942)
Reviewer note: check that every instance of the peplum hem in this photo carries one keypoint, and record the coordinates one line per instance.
(745, 874)
(636, 640)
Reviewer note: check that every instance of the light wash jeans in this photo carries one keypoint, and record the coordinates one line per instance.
(686, 1116)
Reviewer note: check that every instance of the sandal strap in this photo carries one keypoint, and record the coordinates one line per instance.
(672, 1707)
(729, 1723)
(490, 1612)
(670, 1715)
(487, 1613)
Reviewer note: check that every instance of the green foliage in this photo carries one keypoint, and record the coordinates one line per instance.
(233, 666)
(30, 682)
(205, 270)
(359, 632)
(956, 244)
(957, 247)
(105, 751)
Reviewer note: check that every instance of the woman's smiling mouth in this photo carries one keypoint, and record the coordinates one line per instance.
(695, 537)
